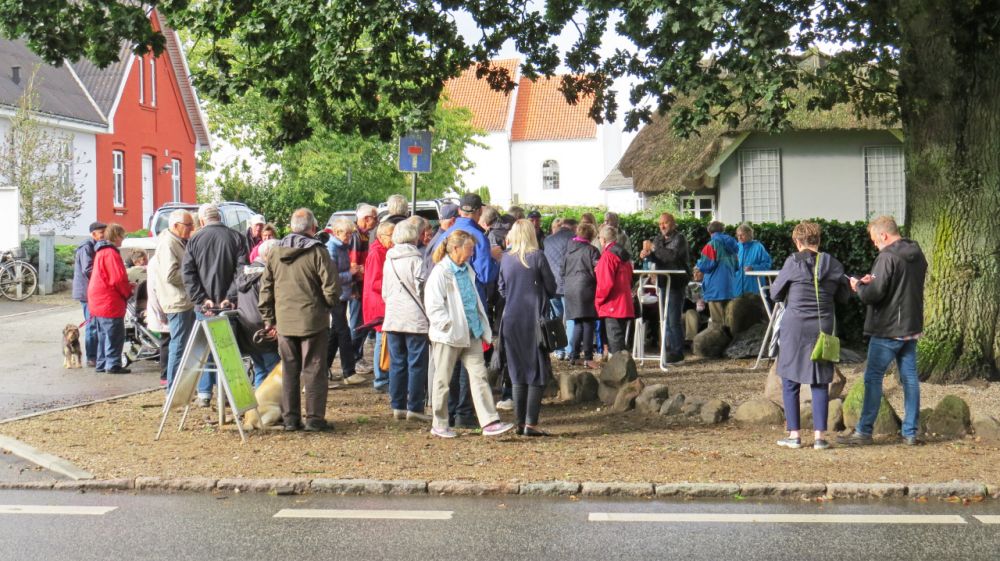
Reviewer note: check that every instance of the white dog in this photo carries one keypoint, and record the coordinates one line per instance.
(268, 396)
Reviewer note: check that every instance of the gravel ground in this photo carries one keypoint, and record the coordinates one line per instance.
(588, 443)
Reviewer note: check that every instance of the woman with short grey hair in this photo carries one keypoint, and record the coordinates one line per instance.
(397, 209)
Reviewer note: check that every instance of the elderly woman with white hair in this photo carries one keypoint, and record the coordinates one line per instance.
(397, 209)
(264, 353)
(526, 283)
(405, 325)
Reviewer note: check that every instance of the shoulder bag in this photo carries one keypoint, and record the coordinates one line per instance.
(827, 348)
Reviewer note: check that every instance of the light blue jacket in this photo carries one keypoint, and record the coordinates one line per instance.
(752, 254)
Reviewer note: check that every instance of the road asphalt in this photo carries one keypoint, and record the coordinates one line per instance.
(239, 527)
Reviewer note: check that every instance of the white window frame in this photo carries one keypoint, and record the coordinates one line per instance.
(885, 182)
(760, 185)
(697, 209)
(175, 175)
(550, 175)
(152, 80)
(142, 81)
(118, 175)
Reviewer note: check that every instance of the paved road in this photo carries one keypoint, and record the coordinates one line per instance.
(239, 527)
(32, 378)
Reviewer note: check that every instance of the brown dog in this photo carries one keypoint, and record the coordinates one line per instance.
(71, 347)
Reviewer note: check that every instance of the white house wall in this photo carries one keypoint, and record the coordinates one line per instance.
(491, 167)
(822, 174)
(622, 201)
(581, 170)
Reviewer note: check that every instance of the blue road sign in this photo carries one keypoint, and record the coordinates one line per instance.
(415, 152)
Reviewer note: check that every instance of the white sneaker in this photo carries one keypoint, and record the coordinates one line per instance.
(363, 367)
(355, 379)
(505, 405)
(399, 414)
(419, 417)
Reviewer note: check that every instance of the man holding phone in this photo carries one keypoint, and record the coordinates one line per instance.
(894, 294)
(669, 251)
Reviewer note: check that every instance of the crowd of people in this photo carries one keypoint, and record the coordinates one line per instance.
(447, 302)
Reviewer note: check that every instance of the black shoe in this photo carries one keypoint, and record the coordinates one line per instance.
(675, 359)
(855, 439)
(912, 441)
(292, 427)
(530, 431)
(318, 426)
(519, 430)
(118, 370)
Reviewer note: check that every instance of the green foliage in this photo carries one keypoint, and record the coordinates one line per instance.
(140, 233)
(63, 262)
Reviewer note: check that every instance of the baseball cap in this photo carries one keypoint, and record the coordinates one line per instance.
(448, 211)
(471, 202)
(95, 226)
(257, 219)
(534, 214)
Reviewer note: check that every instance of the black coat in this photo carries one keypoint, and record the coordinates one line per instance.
(579, 280)
(895, 296)
(250, 320)
(210, 261)
(527, 291)
(555, 251)
(672, 254)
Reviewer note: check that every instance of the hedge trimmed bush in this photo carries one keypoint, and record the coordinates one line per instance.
(64, 258)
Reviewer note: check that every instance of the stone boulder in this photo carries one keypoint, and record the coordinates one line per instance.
(925, 414)
(606, 394)
(950, 418)
(712, 342)
(619, 370)
(772, 387)
(835, 417)
(986, 427)
(838, 384)
(672, 405)
(759, 412)
(692, 408)
(652, 398)
(578, 387)
(886, 423)
(743, 313)
(714, 411)
(627, 394)
(747, 343)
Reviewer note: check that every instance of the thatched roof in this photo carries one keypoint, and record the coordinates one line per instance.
(658, 160)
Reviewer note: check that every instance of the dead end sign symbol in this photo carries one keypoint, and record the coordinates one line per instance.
(415, 152)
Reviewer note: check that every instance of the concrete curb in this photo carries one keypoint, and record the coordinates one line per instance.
(781, 491)
(47, 461)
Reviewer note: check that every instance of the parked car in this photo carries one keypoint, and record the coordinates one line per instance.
(235, 215)
(427, 209)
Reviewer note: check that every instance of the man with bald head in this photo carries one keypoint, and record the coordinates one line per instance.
(669, 251)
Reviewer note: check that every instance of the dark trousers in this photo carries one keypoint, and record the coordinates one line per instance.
(408, 356)
(111, 340)
(302, 361)
(339, 338)
(616, 334)
(460, 408)
(583, 339)
(820, 404)
(164, 354)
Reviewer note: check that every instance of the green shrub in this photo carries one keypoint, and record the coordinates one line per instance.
(64, 258)
(141, 233)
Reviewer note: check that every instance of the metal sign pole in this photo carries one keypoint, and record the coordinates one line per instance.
(413, 201)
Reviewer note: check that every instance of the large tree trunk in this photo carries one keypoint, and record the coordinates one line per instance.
(950, 101)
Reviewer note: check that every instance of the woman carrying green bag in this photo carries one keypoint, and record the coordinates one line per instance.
(808, 284)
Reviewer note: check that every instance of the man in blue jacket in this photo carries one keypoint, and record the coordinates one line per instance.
(718, 262)
(83, 265)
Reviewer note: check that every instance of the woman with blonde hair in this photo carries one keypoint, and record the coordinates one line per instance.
(458, 327)
(526, 283)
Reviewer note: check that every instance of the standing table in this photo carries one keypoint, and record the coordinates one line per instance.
(648, 279)
(763, 285)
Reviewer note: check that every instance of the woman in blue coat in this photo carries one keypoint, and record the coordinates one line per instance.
(753, 257)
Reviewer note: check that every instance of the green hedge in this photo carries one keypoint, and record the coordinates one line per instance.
(64, 258)
(847, 241)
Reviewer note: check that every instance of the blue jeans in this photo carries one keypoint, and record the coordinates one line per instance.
(881, 353)
(408, 355)
(263, 363)
(672, 317)
(181, 325)
(559, 311)
(354, 321)
(89, 334)
(381, 376)
(207, 381)
(111, 340)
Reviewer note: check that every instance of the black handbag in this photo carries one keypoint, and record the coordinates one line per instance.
(550, 332)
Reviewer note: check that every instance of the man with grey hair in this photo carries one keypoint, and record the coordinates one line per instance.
(169, 286)
(298, 288)
(397, 209)
(209, 269)
(340, 332)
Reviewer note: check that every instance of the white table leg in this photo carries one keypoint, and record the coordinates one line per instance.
(663, 306)
(770, 322)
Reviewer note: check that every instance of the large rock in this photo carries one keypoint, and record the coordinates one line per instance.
(743, 313)
(950, 418)
(925, 414)
(578, 387)
(772, 387)
(692, 408)
(847, 356)
(835, 416)
(619, 370)
(712, 342)
(606, 394)
(747, 343)
(759, 412)
(627, 394)
(886, 423)
(714, 411)
(652, 398)
(987, 428)
(673, 405)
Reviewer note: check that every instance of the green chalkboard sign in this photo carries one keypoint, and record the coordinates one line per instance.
(223, 339)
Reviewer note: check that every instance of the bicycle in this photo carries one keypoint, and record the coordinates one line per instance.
(18, 279)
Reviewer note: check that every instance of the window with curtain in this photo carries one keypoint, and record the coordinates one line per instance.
(118, 173)
(550, 175)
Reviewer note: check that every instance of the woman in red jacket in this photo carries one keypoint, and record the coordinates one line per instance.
(107, 294)
(613, 297)
(372, 304)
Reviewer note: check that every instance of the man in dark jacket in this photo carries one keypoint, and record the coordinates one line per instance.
(209, 270)
(894, 294)
(298, 288)
(264, 354)
(254, 232)
(83, 265)
(555, 252)
(669, 251)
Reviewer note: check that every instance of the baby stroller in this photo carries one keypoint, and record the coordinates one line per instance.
(140, 342)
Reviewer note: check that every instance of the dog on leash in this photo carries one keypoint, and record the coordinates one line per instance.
(268, 396)
(72, 355)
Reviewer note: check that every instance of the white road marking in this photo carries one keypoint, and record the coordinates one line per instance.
(777, 518)
(48, 509)
(987, 519)
(369, 514)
